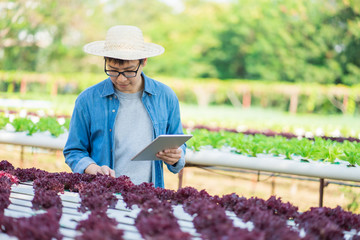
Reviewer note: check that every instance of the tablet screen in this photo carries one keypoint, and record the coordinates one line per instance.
(160, 143)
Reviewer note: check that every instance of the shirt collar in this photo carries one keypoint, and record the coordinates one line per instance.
(149, 86)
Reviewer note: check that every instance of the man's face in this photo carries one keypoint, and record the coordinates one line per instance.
(127, 84)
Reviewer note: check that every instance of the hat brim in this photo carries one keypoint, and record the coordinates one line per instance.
(149, 50)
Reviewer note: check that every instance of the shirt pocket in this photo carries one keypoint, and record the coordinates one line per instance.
(160, 128)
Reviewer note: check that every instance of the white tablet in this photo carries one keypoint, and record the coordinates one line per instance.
(160, 143)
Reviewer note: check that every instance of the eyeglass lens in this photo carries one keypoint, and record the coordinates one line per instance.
(127, 74)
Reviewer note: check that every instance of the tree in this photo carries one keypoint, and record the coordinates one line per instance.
(41, 35)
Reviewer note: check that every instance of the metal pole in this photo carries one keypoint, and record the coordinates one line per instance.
(321, 191)
(181, 173)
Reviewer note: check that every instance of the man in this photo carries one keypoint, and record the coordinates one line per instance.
(116, 118)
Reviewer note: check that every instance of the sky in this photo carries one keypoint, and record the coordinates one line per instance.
(179, 6)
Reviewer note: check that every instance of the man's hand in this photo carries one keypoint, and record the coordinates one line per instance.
(170, 156)
(95, 169)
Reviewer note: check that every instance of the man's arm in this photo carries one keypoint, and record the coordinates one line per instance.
(77, 147)
(174, 158)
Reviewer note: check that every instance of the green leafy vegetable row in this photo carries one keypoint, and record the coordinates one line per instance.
(25, 124)
(252, 145)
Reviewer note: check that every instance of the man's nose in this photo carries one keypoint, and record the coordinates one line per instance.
(121, 78)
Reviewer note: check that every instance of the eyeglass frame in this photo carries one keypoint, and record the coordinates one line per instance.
(122, 73)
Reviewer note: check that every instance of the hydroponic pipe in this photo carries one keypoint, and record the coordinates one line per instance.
(314, 169)
(213, 157)
(36, 140)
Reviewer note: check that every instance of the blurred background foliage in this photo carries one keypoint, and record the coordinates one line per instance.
(220, 54)
(315, 41)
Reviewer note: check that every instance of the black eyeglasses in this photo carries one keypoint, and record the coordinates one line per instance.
(127, 74)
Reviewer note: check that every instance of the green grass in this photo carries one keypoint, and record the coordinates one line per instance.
(262, 119)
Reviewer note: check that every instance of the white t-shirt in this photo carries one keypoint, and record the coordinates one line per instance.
(133, 132)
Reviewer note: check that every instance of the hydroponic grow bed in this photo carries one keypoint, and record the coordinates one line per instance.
(224, 157)
(78, 211)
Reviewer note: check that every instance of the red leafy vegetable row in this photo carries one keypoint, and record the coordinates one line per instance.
(42, 226)
(269, 217)
(99, 226)
(5, 189)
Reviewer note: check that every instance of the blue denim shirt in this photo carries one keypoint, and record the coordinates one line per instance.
(91, 137)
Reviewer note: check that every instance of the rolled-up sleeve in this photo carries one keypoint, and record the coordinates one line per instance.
(180, 164)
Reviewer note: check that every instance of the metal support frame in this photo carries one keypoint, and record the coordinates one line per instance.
(321, 192)
(322, 181)
(181, 173)
(324, 184)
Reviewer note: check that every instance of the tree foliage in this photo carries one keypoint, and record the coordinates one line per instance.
(274, 40)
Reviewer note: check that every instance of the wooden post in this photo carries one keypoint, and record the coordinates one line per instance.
(293, 103)
(247, 99)
(23, 86)
(54, 89)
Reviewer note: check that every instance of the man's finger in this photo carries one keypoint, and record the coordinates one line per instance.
(169, 160)
(172, 150)
(112, 173)
(172, 154)
(105, 170)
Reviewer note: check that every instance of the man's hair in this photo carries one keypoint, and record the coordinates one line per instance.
(119, 61)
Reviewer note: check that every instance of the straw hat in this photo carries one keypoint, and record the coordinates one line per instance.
(124, 42)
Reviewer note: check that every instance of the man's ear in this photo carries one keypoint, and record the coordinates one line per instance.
(144, 62)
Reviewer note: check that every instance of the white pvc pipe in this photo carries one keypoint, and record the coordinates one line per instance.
(313, 169)
(36, 140)
(212, 157)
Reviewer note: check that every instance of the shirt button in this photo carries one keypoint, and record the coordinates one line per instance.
(110, 130)
(113, 110)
